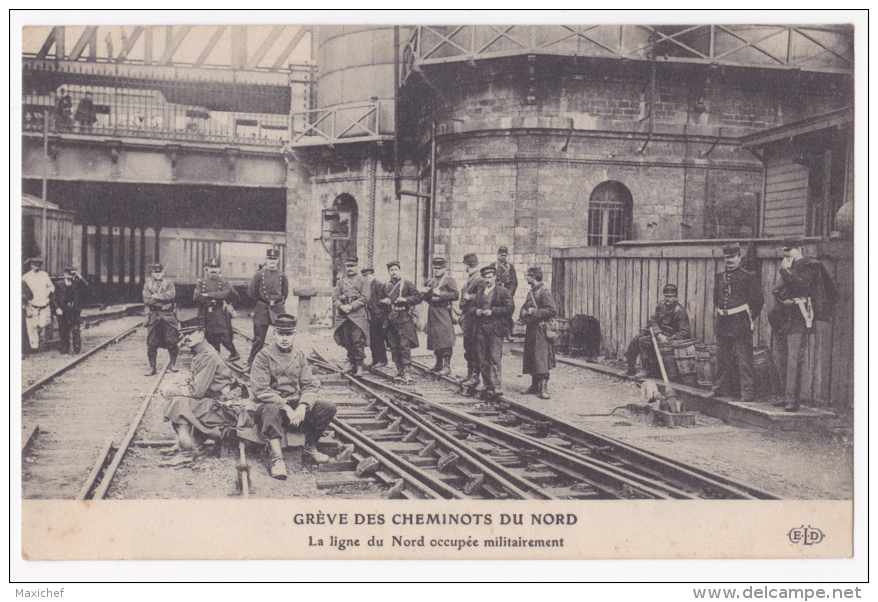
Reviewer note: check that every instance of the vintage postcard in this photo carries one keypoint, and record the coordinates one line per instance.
(555, 290)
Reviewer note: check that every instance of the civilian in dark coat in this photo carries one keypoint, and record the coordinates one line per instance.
(539, 351)
(506, 278)
(440, 292)
(493, 307)
(377, 339)
(68, 301)
(397, 301)
(468, 319)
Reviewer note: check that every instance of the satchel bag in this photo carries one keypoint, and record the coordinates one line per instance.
(551, 326)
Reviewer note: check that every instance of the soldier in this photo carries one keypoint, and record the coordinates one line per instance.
(506, 278)
(202, 403)
(398, 298)
(539, 351)
(737, 295)
(806, 295)
(377, 342)
(216, 298)
(439, 293)
(287, 396)
(68, 299)
(159, 296)
(493, 306)
(269, 289)
(349, 299)
(38, 311)
(468, 320)
(669, 322)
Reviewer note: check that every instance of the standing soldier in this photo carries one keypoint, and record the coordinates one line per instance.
(214, 296)
(539, 351)
(269, 288)
(377, 342)
(506, 278)
(399, 296)
(38, 311)
(669, 322)
(468, 320)
(69, 295)
(159, 296)
(349, 299)
(493, 305)
(737, 295)
(439, 293)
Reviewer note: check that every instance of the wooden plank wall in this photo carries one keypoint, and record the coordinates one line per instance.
(786, 197)
(622, 286)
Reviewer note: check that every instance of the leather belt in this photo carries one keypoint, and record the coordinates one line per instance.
(733, 311)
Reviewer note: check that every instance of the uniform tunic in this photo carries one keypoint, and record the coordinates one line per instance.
(211, 294)
(507, 278)
(671, 321)
(539, 351)
(162, 324)
(734, 335)
(440, 329)
(356, 291)
(397, 317)
(69, 299)
(269, 289)
(377, 342)
(468, 321)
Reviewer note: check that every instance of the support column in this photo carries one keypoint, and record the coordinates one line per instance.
(157, 256)
(297, 264)
(110, 257)
(83, 253)
(132, 287)
(142, 256)
(98, 251)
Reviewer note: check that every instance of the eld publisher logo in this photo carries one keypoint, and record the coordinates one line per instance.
(805, 535)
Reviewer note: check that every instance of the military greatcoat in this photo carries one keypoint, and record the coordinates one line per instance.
(467, 308)
(356, 292)
(269, 288)
(539, 351)
(211, 294)
(159, 296)
(440, 328)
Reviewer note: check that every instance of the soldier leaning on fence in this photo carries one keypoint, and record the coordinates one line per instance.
(493, 307)
(737, 297)
(468, 320)
(377, 340)
(669, 322)
(506, 278)
(398, 298)
(38, 310)
(159, 295)
(539, 351)
(269, 289)
(349, 299)
(806, 295)
(67, 301)
(216, 298)
(439, 293)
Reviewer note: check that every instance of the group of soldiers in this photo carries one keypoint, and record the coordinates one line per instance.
(380, 316)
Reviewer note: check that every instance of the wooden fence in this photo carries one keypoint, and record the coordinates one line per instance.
(621, 286)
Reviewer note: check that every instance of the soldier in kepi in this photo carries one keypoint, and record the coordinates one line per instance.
(399, 296)
(737, 296)
(159, 295)
(468, 320)
(439, 293)
(216, 300)
(377, 342)
(669, 322)
(506, 278)
(286, 393)
(269, 289)
(539, 351)
(806, 296)
(67, 301)
(349, 299)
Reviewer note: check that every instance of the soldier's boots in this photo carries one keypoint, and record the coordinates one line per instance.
(172, 364)
(278, 470)
(406, 378)
(152, 371)
(445, 370)
(358, 369)
(310, 452)
(374, 365)
(438, 365)
(544, 388)
(534, 388)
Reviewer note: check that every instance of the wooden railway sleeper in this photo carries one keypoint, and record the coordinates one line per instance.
(427, 449)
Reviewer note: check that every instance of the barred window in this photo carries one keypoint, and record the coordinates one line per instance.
(609, 214)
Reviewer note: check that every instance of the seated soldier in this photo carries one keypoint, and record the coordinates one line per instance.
(669, 322)
(286, 394)
(202, 407)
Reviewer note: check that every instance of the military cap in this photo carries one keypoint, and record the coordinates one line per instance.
(213, 262)
(367, 271)
(70, 270)
(502, 250)
(487, 269)
(669, 289)
(272, 254)
(439, 262)
(36, 260)
(351, 260)
(189, 326)
(792, 242)
(156, 267)
(732, 249)
(471, 260)
(285, 323)
(536, 272)
(392, 263)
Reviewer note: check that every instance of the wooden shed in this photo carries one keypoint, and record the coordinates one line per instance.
(58, 253)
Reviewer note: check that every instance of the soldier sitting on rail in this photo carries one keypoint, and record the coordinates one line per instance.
(286, 393)
(202, 407)
(669, 321)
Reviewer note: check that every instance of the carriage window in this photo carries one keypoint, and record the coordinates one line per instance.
(609, 214)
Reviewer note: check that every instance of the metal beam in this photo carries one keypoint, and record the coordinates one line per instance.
(88, 38)
(291, 45)
(55, 38)
(130, 41)
(269, 40)
(171, 45)
(211, 44)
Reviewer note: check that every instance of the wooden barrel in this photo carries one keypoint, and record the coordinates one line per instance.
(767, 378)
(705, 365)
(667, 351)
(684, 355)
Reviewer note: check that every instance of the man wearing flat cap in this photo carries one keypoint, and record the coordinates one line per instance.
(737, 297)
(68, 300)
(159, 296)
(439, 293)
(493, 306)
(468, 320)
(397, 300)
(506, 278)
(269, 289)
(539, 351)
(203, 406)
(377, 340)
(669, 322)
(286, 393)
(351, 328)
(215, 298)
(38, 310)
(806, 296)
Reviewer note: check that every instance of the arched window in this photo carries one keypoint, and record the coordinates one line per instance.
(609, 214)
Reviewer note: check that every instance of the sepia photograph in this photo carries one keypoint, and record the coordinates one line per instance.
(470, 291)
